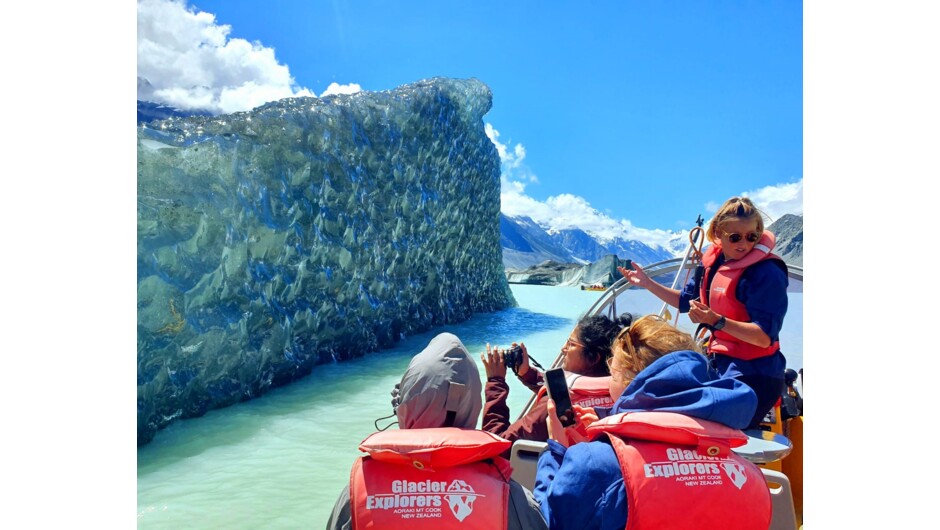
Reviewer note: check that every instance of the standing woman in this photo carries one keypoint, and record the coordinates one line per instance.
(741, 294)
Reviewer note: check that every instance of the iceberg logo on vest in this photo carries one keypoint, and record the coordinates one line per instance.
(460, 499)
(735, 472)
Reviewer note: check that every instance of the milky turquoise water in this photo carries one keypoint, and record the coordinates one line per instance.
(280, 461)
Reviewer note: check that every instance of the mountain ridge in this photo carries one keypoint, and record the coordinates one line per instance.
(527, 243)
(788, 230)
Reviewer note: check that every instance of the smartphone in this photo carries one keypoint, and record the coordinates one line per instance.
(558, 391)
(628, 265)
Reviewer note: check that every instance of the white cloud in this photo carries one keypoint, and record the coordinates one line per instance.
(190, 62)
(514, 174)
(336, 88)
(571, 211)
(509, 160)
(777, 200)
(563, 211)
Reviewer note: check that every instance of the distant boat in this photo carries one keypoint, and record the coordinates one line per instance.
(593, 287)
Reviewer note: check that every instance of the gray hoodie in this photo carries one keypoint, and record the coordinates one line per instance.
(442, 379)
(442, 387)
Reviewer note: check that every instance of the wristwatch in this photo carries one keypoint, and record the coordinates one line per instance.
(720, 324)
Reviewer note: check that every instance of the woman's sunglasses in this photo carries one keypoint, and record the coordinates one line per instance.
(751, 237)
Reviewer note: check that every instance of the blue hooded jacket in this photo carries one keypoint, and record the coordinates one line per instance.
(582, 487)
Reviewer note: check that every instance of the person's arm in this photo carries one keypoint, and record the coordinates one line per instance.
(524, 509)
(581, 488)
(637, 276)
(496, 410)
(532, 379)
(341, 518)
(763, 291)
(547, 467)
(529, 427)
(750, 332)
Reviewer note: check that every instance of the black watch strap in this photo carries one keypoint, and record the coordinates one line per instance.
(720, 324)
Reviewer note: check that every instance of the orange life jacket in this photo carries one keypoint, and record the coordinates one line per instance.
(722, 298)
(679, 473)
(430, 479)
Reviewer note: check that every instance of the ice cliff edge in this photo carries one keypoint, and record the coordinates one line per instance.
(305, 231)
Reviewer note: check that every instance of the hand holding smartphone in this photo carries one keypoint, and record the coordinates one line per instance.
(558, 391)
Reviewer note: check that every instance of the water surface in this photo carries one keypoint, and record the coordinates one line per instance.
(279, 461)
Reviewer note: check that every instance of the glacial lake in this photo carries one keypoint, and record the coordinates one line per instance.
(281, 460)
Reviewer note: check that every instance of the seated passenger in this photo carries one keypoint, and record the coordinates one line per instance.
(436, 470)
(585, 356)
(667, 469)
(791, 405)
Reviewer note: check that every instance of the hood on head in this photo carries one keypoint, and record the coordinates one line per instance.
(442, 378)
(683, 382)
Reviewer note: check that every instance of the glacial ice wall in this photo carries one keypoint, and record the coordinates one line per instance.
(305, 231)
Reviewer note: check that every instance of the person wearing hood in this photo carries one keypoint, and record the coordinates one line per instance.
(662, 458)
(437, 470)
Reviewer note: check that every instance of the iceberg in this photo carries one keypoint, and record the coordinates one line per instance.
(308, 230)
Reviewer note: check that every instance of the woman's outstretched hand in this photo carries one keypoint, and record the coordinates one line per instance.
(493, 362)
(636, 276)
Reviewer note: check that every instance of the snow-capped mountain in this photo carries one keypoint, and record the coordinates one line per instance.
(526, 243)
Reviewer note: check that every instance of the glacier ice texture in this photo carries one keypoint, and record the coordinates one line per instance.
(305, 231)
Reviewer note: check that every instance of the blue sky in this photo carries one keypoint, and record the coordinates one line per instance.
(870, 150)
(624, 118)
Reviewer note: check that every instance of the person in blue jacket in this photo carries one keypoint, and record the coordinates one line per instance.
(582, 487)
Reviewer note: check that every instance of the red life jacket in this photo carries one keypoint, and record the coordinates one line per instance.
(431, 479)
(679, 473)
(722, 298)
(585, 391)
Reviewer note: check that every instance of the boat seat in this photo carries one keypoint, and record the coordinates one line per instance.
(765, 447)
(524, 458)
(781, 501)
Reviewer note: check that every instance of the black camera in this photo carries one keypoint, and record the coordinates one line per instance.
(513, 357)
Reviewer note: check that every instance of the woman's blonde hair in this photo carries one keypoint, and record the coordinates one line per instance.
(734, 209)
(648, 339)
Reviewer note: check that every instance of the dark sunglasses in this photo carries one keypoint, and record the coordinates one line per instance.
(751, 237)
